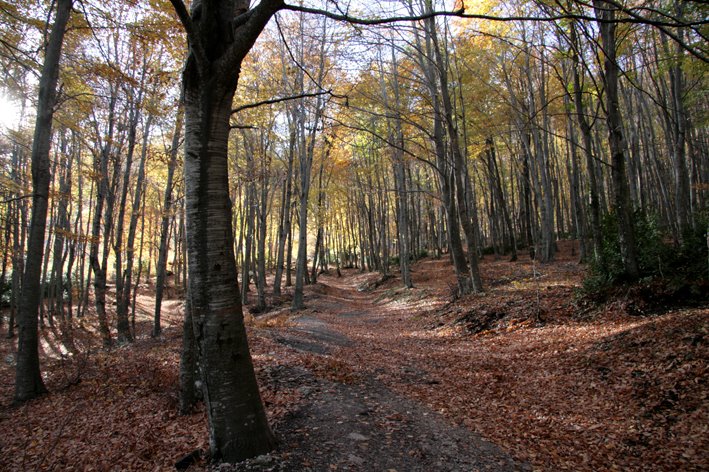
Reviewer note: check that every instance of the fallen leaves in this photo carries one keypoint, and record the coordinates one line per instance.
(610, 392)
(517, 364)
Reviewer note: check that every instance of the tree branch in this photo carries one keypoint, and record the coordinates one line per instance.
(15, 199)
(369, 21)
(460, 13)
(281, 99)
(192, 37)
(240, 126)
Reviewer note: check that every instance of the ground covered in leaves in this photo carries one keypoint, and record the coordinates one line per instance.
(371, 376)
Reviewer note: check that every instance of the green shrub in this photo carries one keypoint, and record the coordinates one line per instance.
(658, 256)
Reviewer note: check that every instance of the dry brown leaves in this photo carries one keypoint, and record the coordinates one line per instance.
(115, 410)
(609, 392)
(616, 392)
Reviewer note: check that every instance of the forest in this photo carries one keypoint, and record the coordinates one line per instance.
(401, 235)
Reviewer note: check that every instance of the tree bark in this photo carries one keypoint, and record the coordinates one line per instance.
(122, 324)
(28, 378)
(284, 226)
(459, 165)
(622, 205)
(238, 428)
(585, 128)
(165, 222)
(124, 301)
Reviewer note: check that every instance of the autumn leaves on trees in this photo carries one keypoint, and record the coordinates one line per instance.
(263, 145)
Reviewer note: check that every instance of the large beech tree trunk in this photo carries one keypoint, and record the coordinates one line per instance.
(220, 34)
(28, 379)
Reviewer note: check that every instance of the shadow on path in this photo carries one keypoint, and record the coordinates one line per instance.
(363, 426)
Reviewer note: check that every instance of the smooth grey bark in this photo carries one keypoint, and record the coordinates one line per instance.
(140, 265)
(6, 251)
(578, 212)
(396, 136)
(220, 34)
(585, 128)
(249, 204)
(284, 226)
(543, 156)
(285, 220)
(306, 152)
(262, 218)
(444, 169)
(84, 274)
(102, 195)
(498, 196)
(189, 372)
(18, 248)
(61, 229)
(122, 324)
(682, 197)
(28, 378)
(459, 164)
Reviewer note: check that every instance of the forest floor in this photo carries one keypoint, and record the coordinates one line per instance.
(374, 377)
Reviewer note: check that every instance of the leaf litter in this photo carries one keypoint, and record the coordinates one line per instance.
(555, 384)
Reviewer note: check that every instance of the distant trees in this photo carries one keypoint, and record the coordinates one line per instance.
(430, 136)
(72, 218)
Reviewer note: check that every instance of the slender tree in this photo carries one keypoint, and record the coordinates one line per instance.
(28, 379)
(165, 221)
(605, 12)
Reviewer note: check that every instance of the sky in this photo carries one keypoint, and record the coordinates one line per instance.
(9, 112)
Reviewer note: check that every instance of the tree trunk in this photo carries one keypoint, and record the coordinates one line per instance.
(622, 205)
(445, 173)
(124, 302)
(585, 128)
(165, 221)
(189, 374)
(285, 220)
(459, 165)
(122, 324)
(238, 428)
(28, 378)
(102, 190)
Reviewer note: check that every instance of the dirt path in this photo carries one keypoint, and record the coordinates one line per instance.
(359, 424)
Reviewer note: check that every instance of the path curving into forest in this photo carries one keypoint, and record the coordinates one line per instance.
(350, 418)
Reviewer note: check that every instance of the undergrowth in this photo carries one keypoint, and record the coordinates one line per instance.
(670, 272)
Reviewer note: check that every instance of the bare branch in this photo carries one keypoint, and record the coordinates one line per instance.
(281, 99)
(460, 13)
(369, 21)
(21, 197)
(632, 18)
